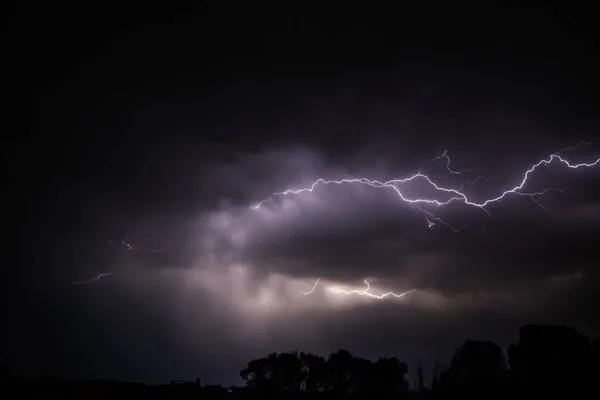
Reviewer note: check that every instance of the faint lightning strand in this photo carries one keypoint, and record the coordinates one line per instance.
(149, 250)
(450, 170)
(124, 243)
(535, 197)
(576, 275)
(475, 181)
(313, 288)
(582, 143)
(447, 158)
(366, 292)
(129, 246)
(132, 247)
(95, 279)
(432, 224)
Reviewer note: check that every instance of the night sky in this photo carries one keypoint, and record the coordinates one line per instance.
(153, 132)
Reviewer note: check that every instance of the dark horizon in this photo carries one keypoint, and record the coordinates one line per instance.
(546, 359)
(152, 133)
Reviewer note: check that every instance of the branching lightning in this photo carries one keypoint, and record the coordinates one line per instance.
(364, 292)
(451, 195)
(447, 158)
(95, 279)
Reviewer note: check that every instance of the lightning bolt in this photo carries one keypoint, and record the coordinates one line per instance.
(95, 279)
(452, 195)
(365, 292)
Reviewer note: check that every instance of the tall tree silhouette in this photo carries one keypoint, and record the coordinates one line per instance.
(287, 370)
(596, 359)
(258, 373)
(340, 365)
(550, 358)
(390, 375)
(5, 374)
(314, 372)
(476, 365)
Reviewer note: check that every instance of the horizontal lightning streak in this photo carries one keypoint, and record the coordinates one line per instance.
(364, 292)
(456, 195)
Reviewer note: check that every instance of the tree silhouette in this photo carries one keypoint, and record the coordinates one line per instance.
(339, 366)
(258, 373)
(390, 375)
(5, 374)
(361, 375)
(420, 378)
(476, 365)
(545, 359)
(287, 369)
(550, 358)
(342, 372)
(596, 358)
(314, 372)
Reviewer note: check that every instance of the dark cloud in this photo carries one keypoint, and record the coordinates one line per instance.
(230, 277)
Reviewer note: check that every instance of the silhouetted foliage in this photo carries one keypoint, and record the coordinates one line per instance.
(546, 358)
(341, 372)
(340, 365)
(596, 359)
(257, 373)
(315, 372)
(389, 375)
(5, 375)
(550, 357)
(476, 366)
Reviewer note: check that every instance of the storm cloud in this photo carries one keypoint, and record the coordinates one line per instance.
(145, 166)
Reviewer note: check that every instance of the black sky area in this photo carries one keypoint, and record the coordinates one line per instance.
(159, 128)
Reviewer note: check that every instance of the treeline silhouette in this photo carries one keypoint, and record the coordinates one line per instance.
(341, 372)
(547, 360)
